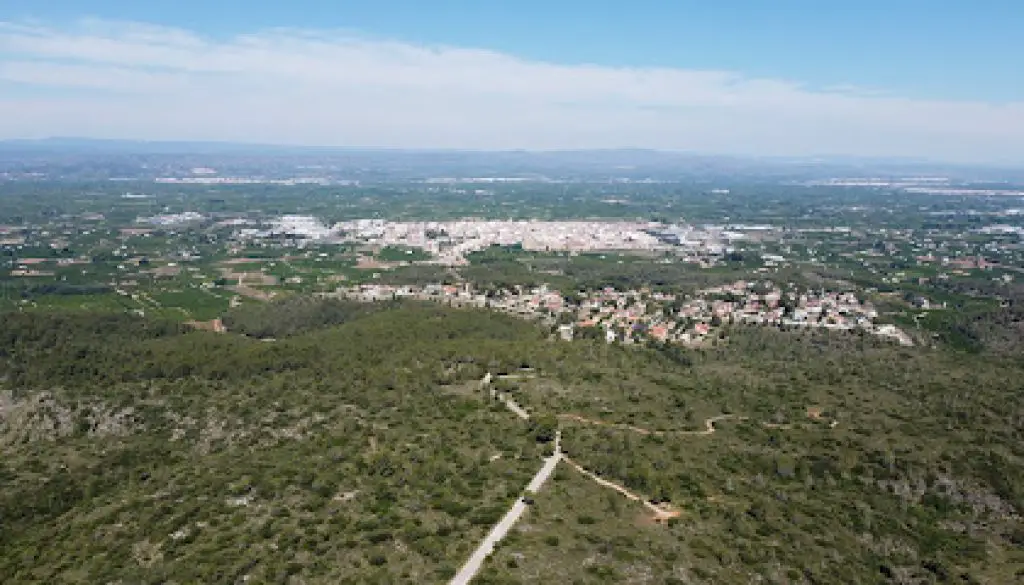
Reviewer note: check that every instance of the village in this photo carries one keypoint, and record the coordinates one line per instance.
(637, 316)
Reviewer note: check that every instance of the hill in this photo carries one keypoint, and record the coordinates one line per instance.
(360, 446)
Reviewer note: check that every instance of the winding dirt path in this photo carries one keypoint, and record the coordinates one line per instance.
(625, 427)
(661, 513)
(709, 425)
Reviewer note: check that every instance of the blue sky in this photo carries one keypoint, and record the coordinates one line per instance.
(957, 49)
(954, 57)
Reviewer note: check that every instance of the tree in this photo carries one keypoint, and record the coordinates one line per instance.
(544, 428)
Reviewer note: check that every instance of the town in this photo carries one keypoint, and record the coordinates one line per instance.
(637, 316)
(863, 261)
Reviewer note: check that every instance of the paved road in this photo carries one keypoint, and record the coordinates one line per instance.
(511, 405)
(476, 560)
(508, 402)
(549, 466)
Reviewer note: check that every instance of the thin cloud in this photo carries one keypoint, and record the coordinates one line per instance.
(341, 88)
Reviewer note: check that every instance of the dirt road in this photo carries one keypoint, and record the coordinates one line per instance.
(709, 425)
(660, 512)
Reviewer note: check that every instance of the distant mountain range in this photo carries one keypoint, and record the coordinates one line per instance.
(628, 163)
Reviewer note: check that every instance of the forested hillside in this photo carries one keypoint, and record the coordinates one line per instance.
(140, 452)
(359, 446)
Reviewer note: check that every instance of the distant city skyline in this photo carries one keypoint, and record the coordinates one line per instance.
(787, 78)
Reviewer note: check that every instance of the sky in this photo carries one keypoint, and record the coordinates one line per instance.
(901, 78)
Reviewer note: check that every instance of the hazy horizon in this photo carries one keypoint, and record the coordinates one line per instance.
(57, 144)
(364, 78)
